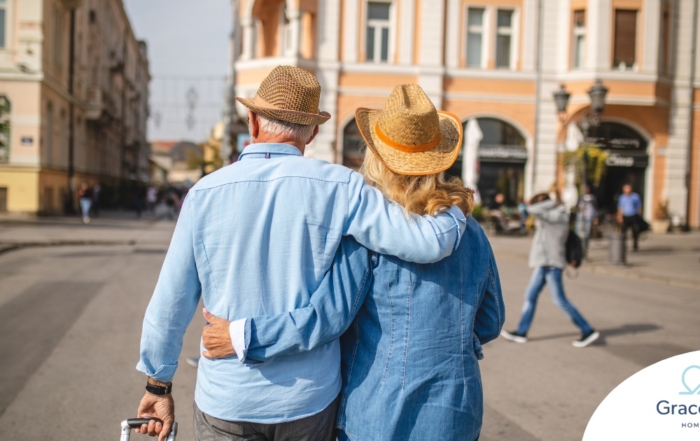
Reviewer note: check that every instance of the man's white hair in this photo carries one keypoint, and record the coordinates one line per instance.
(295, 132)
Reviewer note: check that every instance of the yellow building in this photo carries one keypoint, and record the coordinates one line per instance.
(77, 82)
(497, 63)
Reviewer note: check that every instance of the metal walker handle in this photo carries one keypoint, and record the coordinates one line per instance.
(133, 423)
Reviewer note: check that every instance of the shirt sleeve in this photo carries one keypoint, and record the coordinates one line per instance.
(545, 212)
(173, 303)
(385, 227)
(491, 313)
(331, 309)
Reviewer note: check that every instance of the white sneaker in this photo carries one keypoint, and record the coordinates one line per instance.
(586, 339)
(86, 219)
(514, 336)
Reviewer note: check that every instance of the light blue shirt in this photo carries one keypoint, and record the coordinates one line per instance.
(629, 205)
(256, 238)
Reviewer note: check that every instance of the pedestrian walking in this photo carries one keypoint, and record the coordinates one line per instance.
(548, 258)
(391, 362)
(151, 199)
(290, 214)
(96, 193)
(85, 195)
(629, 211)
(139, 199)
(586, 217)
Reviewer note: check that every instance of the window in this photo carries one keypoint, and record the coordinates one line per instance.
(57, 34)
(475, 37)
(579, 39)
(3, 15)
(625, 39)
(504, 38)
(353, 146)
(377, 39)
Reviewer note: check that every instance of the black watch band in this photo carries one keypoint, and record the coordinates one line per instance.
(159, 390)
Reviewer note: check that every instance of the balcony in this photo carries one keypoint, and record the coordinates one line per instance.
(100, 106)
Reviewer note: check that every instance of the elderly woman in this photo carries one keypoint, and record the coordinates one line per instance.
(414, 332)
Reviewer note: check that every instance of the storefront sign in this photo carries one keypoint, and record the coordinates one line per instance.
(27, 140)
(507, 153)
(626, 159)
(616, 160)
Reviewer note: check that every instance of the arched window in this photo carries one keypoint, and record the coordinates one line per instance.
(499, 133)
(353, 146)
(626, 164)
(499, 165)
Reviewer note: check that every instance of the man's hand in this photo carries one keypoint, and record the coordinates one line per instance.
(155, 406)
(216, 337)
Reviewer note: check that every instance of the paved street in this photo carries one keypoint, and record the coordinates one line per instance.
(70, 322)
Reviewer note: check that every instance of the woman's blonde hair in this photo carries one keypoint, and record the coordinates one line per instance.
(429, 194)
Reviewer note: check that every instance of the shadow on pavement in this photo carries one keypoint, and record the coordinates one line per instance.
(621, 330)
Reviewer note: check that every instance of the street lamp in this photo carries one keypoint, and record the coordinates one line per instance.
(597, 94)
(561, 99)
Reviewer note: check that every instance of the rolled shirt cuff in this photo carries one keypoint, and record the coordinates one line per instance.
(237, 331)
(460, 220)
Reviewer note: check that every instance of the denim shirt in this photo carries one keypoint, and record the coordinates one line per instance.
(414, 335)
(256, 238)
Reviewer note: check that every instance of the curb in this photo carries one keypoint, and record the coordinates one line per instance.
(7, 247)
(621, 271)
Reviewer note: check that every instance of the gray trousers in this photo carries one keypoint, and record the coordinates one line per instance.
(319, 427)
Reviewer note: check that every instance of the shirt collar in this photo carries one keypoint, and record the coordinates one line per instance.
(263, 149)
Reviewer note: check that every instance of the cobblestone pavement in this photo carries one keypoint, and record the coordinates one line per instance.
(71, 307)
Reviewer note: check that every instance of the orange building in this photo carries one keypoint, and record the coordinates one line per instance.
(497, 63)
(76, 79)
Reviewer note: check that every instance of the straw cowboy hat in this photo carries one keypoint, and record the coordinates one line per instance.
(409, 136)
(288, 94)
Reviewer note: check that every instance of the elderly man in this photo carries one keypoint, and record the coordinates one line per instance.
(269, 224)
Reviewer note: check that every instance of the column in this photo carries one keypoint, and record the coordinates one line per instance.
(431, 71)
(324, 146)
(248, 25)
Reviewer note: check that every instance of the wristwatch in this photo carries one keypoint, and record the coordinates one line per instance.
(159, 390)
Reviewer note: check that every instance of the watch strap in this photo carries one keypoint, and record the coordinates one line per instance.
(159, 390)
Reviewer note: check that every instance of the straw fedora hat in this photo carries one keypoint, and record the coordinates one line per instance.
(409, 135)
(288, 94)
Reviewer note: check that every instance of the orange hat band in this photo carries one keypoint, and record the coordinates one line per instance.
(403, 147)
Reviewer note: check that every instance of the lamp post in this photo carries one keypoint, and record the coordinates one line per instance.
(590, 123)
(591, 120)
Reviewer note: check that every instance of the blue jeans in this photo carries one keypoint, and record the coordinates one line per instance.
(85, 204)
(551, 276)
(583, 228)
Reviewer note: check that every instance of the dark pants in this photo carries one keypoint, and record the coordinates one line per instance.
(631, 222)
(319, 427)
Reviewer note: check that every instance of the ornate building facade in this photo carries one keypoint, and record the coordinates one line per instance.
(76, 79)
(496, 64)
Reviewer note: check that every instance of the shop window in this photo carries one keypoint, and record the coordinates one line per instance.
(579, 39)
(3, 24)
(475, 37)
(377, 38)
(3, 199)
(625, 39)
(353, 146)
(504, 38)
